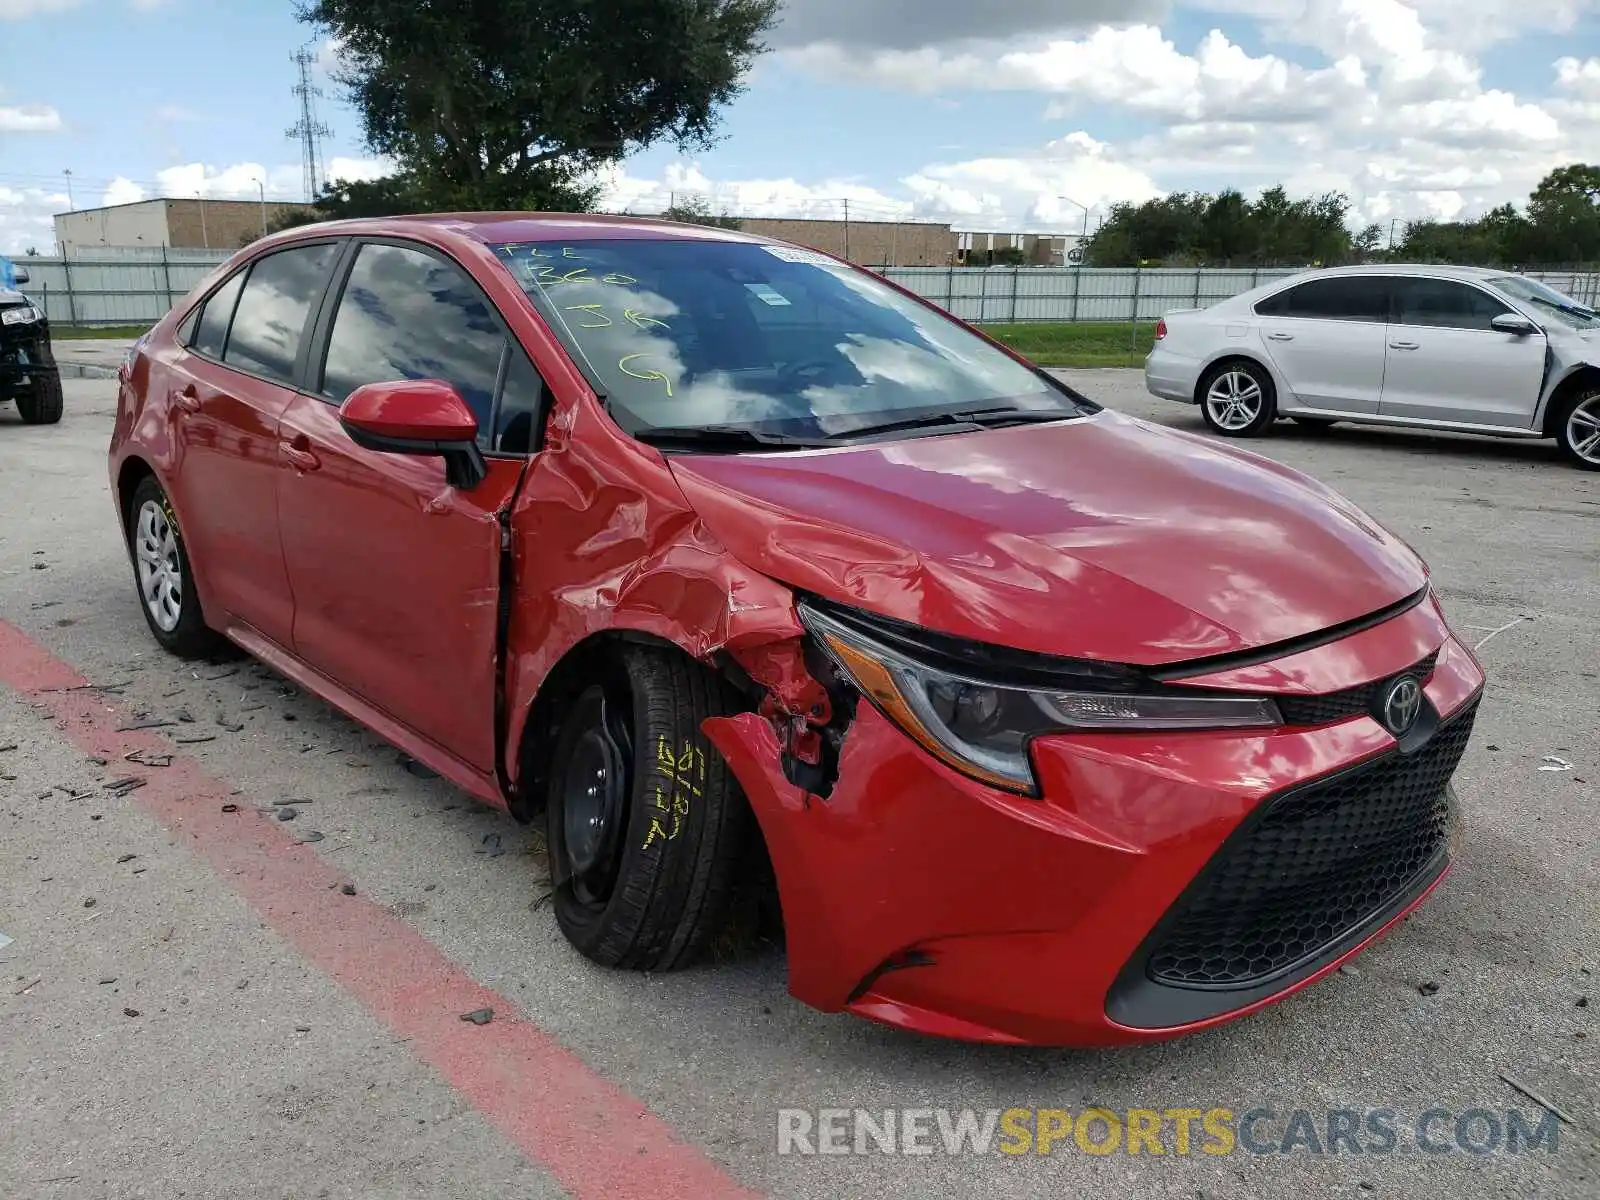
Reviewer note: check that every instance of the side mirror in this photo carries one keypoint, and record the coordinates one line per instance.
(1512, 323)
(417, 416)
(21, 275)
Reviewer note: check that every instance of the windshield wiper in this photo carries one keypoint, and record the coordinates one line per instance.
(980, 418)
(721, 437)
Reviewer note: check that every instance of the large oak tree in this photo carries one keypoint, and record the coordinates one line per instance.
(511, 104)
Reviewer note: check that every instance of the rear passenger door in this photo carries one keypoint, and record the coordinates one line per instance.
(229, 386)
(1326, 337)
(1446, 362)
(395, 572)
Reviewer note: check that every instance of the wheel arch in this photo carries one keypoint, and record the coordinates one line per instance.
(1227, 357)
(540, 714)
(1586, 375)
(133, 471)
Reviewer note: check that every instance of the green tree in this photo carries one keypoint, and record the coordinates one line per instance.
(1564, 216)
(512, 105)
(696, 210)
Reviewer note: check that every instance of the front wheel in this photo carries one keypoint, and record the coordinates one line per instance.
(1578, 429)
(43, 402)
(1238, 399)
(645, 825)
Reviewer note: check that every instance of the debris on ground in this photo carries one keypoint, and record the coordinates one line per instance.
(311, 835)
(150, 723)
(1518, 1086)
(1551, 763)
(126, 858)
(1428, 989)
(146, 758)
(479, 1016)
(195, 741)
(287, 814)
(131, 1012)
(230, 808)
(130, 783)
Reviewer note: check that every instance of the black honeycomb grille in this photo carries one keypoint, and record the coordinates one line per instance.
(1317, 863)
(1337, 706)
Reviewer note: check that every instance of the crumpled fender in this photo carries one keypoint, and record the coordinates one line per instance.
(603, 539)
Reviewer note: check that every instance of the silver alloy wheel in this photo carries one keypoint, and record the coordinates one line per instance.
(1583, 429)
(1234, 400)
(155, 550)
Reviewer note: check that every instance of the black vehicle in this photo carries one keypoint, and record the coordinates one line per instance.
(28, 372)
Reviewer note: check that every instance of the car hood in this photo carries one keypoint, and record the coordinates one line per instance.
(11, 296)
(1103, 537)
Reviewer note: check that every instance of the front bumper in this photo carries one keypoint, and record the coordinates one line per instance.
(24, 352)
(917, 897)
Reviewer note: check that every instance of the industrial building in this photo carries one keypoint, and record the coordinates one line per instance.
(228, 224)
(178, 224)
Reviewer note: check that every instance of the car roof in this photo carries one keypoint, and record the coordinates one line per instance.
(492, 228)
(1437, 269)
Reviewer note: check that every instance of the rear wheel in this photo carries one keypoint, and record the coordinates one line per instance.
(167, 595)
(42, 402)
(645, 825)
(1238, 399)
(1578, 428)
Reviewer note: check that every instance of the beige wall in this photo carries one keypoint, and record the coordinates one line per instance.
(125, 225)
(219, 224)
(871, 243)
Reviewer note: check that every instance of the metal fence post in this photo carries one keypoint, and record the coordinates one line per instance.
(950, 289)
(72, 304)
(1255, 277)
(1077, 286)
(166, 281)
(1133, 318)
(1014, 270)
(1197, 287)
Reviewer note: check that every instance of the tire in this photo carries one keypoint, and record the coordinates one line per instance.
(1314, 423)
(43, 402)
(1233, 383)
(1578, 428)
(150, 519)
(647, 887)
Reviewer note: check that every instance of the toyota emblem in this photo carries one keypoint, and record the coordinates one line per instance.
(1402, 705)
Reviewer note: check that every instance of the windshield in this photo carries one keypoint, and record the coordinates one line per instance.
(746, 337)
(1549, 301)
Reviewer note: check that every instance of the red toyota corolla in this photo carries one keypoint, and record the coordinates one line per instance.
(1054, 725)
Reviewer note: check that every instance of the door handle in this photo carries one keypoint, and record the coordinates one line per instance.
(1404, 345)
(1280, 337)
(299, 455)
(188, 400)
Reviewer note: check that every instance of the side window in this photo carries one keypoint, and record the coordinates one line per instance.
(408, 315)
(270, 321)
(1342, 298)
(211, 335)
(1446, 304)
(524, 403)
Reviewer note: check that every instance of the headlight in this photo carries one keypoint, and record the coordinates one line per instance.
(23, 314)
(982, 727)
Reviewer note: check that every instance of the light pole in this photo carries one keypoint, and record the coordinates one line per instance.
(71, 207)
(262, 188)
(1085, 208)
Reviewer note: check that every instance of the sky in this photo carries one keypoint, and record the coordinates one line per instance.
(1012, 114)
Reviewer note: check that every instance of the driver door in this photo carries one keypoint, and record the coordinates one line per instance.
(395, 573)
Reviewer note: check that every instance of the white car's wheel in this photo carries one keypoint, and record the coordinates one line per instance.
(1578, 428)
(1237, 399)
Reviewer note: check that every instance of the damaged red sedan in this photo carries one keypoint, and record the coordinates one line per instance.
(726, 560)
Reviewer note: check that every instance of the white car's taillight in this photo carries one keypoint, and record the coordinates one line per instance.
(1161, 329)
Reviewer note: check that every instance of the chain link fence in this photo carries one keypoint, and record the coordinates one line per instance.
(138, 286)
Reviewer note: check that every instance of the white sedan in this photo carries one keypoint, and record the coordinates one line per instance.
(1459, 348)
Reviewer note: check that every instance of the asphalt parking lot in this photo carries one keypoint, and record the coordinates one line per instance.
(199, 1002)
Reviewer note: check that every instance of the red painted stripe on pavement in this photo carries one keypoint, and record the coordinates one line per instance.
(592, 1137)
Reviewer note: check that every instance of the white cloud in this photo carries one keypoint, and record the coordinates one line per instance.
(29, 118)
(16, 10)
(1579, 79)
(25, 219)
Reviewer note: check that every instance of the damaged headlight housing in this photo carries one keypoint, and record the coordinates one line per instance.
(21, 314)
(982, 726)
